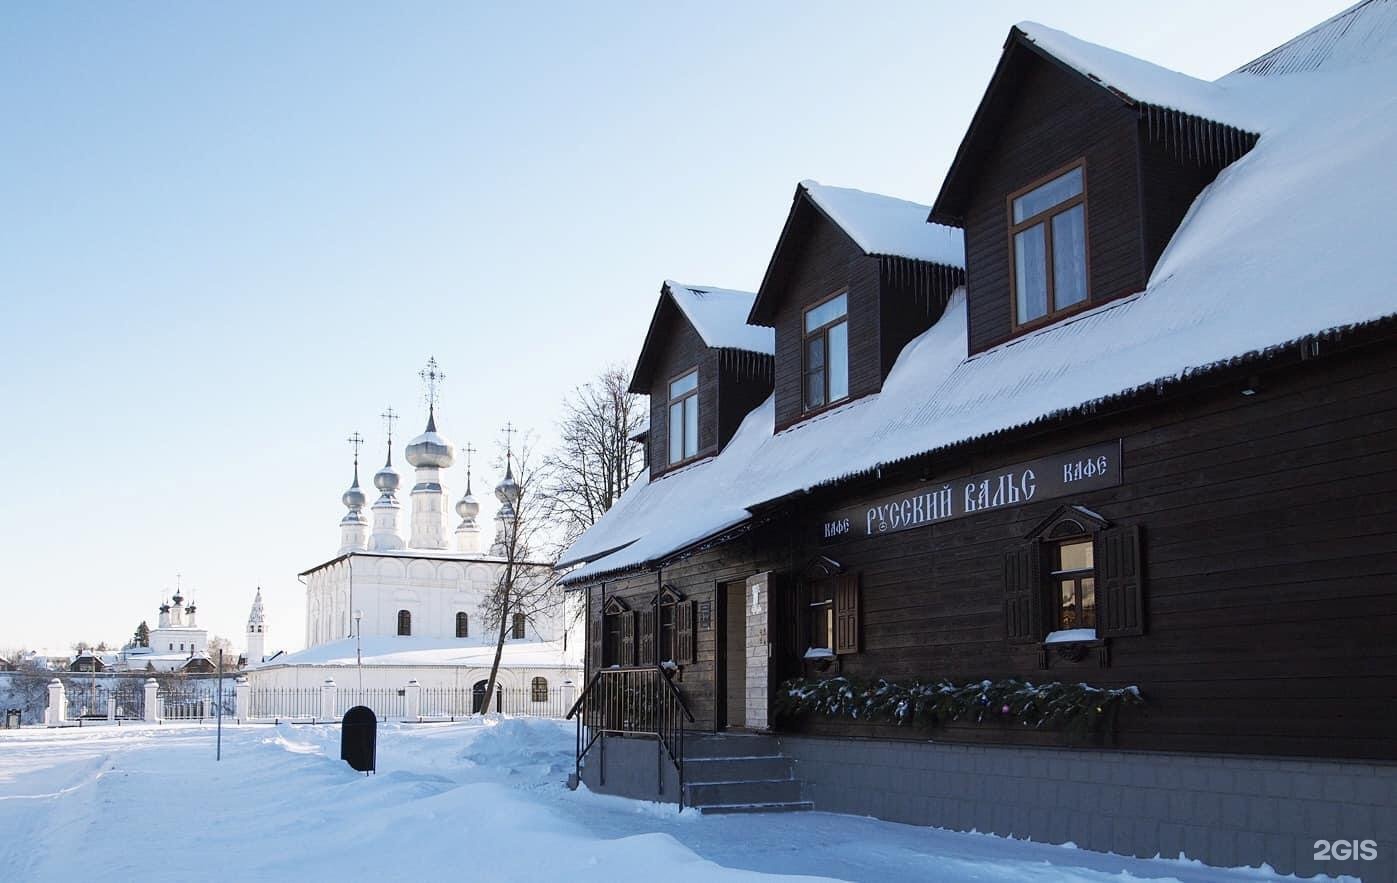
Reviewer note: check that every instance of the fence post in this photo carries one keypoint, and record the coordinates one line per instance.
(242, 706)
(327, 700)
(111, 708)
(58, 703)
(569, 695)
(414, 701)
(152, 712)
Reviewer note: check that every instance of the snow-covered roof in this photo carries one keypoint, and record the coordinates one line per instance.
(1289, 242)
(1144, 82)
(1360, 34)
(426, 554)
(719, 315)
(886, 225)
(424, 651)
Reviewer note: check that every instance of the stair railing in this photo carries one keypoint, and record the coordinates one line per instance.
(633, 702)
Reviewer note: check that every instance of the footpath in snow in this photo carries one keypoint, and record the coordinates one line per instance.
(474, 800)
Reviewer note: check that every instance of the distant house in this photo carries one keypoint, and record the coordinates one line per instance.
(87, 661)
(6, 665)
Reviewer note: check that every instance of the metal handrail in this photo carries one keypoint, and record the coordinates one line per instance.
(630, 702)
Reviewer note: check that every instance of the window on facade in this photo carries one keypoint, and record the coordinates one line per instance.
(404, 622)
(1074, 584)
(827, 352)
(666, 636)
(172, 646)
(1047, 228)
(538, 690)
(463, 624)
(683, 417)
(822, 615)
(518, 626)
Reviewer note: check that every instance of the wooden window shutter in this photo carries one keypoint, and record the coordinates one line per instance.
(846, 613)
(684, 617)
(627, 655)
(596, 650)
(1120, 602)
(647, 638)
(1023, 591)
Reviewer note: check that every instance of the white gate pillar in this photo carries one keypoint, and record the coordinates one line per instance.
(111, 709)
(327, 700)
(242, 708)
(58, 704)
(414, 701)
(569, 695)
(152, 713)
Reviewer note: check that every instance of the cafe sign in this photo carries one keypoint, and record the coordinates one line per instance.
(1057, 475)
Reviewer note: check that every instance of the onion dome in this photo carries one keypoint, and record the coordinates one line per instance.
(467, 507)
(165, 608)
(386, 479)
(353, 498)
(430, 448)
(507, 491)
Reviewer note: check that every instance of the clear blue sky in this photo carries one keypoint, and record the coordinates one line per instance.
(232, 233)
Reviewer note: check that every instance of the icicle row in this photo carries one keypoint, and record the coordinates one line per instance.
(1195, 139)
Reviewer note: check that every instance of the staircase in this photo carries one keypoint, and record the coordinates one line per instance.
(740, 773)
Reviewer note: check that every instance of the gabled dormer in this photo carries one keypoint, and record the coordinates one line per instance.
(1077, 168)
(704, 368)
(854, 277)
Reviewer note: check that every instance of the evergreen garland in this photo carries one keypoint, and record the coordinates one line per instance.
(1077, 708)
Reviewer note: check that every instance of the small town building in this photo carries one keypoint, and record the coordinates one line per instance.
(1062, 507)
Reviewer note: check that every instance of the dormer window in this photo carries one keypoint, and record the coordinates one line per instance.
(683, 417)
(1047, 226)
(827, 352)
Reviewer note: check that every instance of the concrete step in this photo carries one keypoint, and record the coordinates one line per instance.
(792, 806)
(755, 791)
(730, 745)
(731, 769)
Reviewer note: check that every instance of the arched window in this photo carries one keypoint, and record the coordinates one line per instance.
(538, 690)
(463, 626)
(404, 622)
(518, 626)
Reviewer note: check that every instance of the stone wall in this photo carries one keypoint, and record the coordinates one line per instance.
(1223, 810)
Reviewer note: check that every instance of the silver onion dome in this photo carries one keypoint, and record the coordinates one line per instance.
(507, 491)
(430, 448)
(387, 479)
(467, 507)
(353, 498)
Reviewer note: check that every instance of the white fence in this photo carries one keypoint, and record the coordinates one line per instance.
(411, 702)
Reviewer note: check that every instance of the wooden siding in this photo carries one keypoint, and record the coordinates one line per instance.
(828, 262)
(683, 349)
(740, 389)
(1168, 187)
(1055, 118)
(1270, 558)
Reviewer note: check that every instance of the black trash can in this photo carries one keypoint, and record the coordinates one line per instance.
(359, 738)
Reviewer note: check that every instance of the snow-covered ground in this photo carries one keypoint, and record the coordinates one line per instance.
(475, 800)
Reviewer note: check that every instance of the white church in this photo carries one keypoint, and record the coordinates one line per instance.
(385, 610)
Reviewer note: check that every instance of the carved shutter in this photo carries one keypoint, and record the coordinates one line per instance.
(647, 638)
(627, 655)
(684, 617)
(1120, 607)
(846, 613)
(597, 628)
(1023, 592)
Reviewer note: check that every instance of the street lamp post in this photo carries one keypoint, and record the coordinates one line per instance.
(359, 652)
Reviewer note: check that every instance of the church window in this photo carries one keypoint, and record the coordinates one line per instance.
(463, 626)
(172, 647)
(518, 626)
(404, 622)
(538, 690)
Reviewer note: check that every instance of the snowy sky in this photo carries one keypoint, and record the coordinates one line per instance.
(232, 235)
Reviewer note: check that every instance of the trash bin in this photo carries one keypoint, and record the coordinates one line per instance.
(359, 738)
(12, 716)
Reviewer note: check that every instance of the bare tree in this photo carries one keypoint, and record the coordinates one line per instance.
(230, 656)
(526, 588)
(595, 460)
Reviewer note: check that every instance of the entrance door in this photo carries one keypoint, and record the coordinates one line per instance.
(735, 654)
(477, 697)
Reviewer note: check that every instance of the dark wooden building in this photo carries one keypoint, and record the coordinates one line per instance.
(1088, 526)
